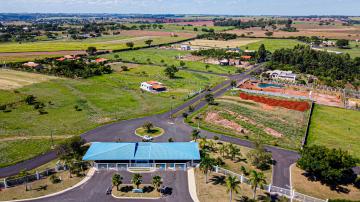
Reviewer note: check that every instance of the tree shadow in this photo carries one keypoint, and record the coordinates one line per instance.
(126, 189)
(216, 180)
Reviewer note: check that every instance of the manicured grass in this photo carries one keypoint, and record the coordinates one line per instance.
(126, 191)
(272, 44)
(257, 121)
(156, 56)
(100, 99)
(335, 128)
(105, 43)
(156, 131)
(314, 188)
(37, 188)
(353, 51)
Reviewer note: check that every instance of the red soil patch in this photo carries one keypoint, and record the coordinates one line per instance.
(215, 118)
(294, 105)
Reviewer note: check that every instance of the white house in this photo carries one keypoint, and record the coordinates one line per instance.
(283, 75)
(153, 86)
(185, 47)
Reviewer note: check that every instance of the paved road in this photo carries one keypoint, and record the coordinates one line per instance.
(94, 189)
(174, 128)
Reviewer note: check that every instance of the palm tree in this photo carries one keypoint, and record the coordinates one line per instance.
(223, 149)
(195, 134)
(116, 180)
(206, 165)
(234, 151)
(148, 126)
(136, 180)
(156, 182)
(203, 143)
(211, 145)
(232, 185)
(257, 179)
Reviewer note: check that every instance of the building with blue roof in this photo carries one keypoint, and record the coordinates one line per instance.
(120, 155)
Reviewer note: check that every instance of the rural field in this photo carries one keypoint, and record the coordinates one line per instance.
(272, 44)
(335, 128)
(223, 44)
(164, 57)
(247, 119)
(74, 106)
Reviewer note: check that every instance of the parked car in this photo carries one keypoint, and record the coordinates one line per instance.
(147, 138)
(108, 190)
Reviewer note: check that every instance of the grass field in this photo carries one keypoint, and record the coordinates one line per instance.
(101, 99)
(10, 79)
(353, 52)
(335, 128)
(156, 56)
(25, 58)
(224, 44)
(249, 120)
(272, 44)
(102, 43)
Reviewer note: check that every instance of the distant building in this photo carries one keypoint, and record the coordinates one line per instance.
(282, 75)
(224, 62)
(249, 51)
(100, 60)
(185, 47)
(33, 65)
(153, 86)
(328, 43)
(246, 57)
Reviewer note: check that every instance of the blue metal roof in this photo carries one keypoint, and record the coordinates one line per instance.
(143, 151)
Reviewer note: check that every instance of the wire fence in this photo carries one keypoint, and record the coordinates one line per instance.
(291, 194)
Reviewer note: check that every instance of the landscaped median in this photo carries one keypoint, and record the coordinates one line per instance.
(149, 192)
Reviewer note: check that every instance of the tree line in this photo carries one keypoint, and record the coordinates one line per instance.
(217, 36)
(252, 23)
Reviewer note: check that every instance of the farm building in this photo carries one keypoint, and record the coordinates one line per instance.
(224, 62)
(282, 75)
(33, 65)
(153, 86)
(185, 47)
(143, 155)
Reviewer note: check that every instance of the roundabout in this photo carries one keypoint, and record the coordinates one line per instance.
(153, 132)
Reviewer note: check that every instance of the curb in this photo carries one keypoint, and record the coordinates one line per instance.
(192, 185)
(87, 178)
(135, 198)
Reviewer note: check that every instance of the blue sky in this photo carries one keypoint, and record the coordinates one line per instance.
(236, 7)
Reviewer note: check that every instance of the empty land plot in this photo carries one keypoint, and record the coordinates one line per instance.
(10, 79)
(223, 44)
(101, 99)
(335, 128)
(247, 119)
(272, 44)
(164, 57)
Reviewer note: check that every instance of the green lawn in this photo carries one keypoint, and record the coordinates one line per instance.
(168, 56)
(102, 43)
(336, 128)
(101, 99)
(273, 44)
(353, 51)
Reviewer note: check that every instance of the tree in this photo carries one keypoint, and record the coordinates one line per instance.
(136, 180)
(149, 42)
(116, 180)
(30, 99)
(91, 50)
(130, 44)
(124, 68)
(234, 151)
(232, 185)
(195, 134)
(261, 53)
(156, 182)
(268, 34)
(223, 149)
(257, 179)
(342, 43)
(331, 166)
(148, 126)
(24, 174)
(259, 157)
(233, 83)
(206, 166)
(209, 98)
(171, 71)
(182, 63)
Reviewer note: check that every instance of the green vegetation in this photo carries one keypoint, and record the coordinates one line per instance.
(248, 120)
(153, 132)
(167, 58)
(353, 50)
(100, 100)
(272, 44)
(335, 128)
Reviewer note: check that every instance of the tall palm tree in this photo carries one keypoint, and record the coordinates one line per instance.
(195, 134)
(156, 182)
(257, 179)
(136, 180)
(203, 143)
(116, 180)
(223, 148)
(234, 151)
(206, 165)
(232, 185)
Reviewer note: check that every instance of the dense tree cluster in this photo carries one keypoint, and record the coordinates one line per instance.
(216, 53)
(331, 166)
(251, 23)
(79, 69)
(333, 69)
(217, 36)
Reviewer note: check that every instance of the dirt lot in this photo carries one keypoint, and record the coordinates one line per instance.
(307, 30)
(320, 98)
(10, 79)
(223, 44)
(154, 33)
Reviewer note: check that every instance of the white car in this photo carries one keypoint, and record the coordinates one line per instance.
(147, 138)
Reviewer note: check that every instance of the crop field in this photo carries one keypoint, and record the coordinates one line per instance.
(102, 43)
(252, 120)
(272, 44)
(224, 44)
(10, 79)
(99, 100)
(164, 57)
(336, 128)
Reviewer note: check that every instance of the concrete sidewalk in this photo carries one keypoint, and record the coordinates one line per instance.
(192, 185)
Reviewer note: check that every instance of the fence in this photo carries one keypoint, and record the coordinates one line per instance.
(291, 194)
(11, 182)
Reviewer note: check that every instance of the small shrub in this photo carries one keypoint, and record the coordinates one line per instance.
(191, 108)
(42, 111)
(216, 137)
(171, 140)
(30, 99)
(124, 68)
(185, 115)
(54, 179)
(77, 108)
(2, 107)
